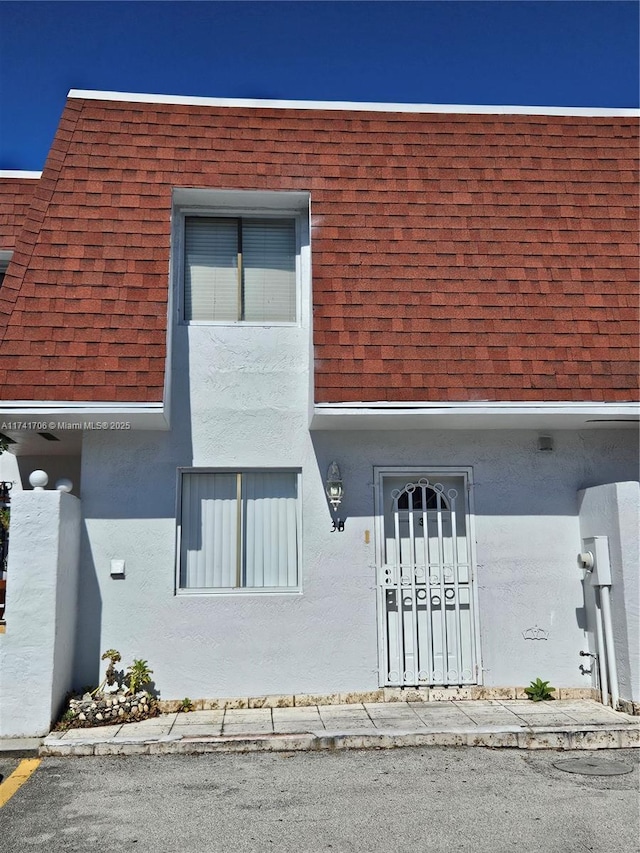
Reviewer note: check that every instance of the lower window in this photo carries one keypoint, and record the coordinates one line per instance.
(239, 530)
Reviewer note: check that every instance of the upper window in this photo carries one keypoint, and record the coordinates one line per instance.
(5, 257)
(239, 530)
(240, 269)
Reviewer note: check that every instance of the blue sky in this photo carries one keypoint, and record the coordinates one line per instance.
(555, 52)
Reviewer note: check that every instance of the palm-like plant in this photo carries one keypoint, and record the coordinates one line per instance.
(138, 674)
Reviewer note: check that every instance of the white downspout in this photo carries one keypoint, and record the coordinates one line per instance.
(602, 666)
(595, 560)
(608, 636)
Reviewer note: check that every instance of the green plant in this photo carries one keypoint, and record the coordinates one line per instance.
(4, 518)
(138, 674)
(67, 717)
(186, 705)
(539, 691)
(110, 676)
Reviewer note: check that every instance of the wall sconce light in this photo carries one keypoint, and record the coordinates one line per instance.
(335, 489)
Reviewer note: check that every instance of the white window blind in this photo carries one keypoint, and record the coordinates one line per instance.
(240, 269)
(211, 269)
(270, 530)
(269, 261)
(209, 542)
(239, 530)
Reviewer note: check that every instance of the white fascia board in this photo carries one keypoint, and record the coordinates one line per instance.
(474, 415)
(197, 197)
(482, 405)
(39, 415)
(78, 404)
(350, 106)
(17, 173)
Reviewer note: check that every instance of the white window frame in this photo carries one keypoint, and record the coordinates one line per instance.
(252, 590)
(5, 260)
(241, 204)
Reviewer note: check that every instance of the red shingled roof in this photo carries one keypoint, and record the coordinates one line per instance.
(15, 198)
(455, 256)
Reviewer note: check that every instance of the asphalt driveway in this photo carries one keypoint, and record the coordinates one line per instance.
(376, 801)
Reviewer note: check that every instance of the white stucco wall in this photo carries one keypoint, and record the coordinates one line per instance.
(9, 471)
(613, 510)
(37, 650)
(246, 404)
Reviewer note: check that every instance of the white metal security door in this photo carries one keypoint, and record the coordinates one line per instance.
(427, 630)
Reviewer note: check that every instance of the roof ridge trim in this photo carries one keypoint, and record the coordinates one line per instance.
(354, 106)
(19, 173)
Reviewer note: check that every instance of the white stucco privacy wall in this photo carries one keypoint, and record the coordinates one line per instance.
(613, 510)
(37, 650)
(9, 470)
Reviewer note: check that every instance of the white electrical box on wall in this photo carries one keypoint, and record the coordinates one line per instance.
(601, 570)
(117, 568)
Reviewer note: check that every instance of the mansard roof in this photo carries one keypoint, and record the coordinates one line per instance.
(458, 254)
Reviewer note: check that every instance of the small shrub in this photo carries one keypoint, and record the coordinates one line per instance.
(138, 675)
(186, 705)
(65, 720)
(110, 676)
(113, 655)
(539, 691)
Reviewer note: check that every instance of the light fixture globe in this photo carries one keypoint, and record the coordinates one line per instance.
(38, 480)
(335, 489)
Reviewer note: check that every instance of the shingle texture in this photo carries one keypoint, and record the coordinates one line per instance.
(455, 257)
(15, 197)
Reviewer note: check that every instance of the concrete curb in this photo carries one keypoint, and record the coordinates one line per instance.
(20, 747)
(534, 737)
